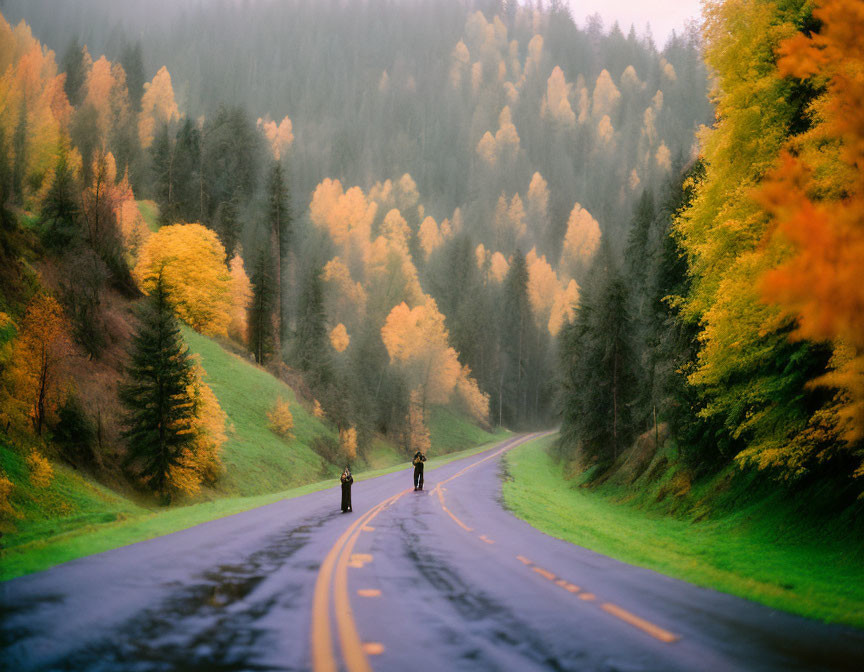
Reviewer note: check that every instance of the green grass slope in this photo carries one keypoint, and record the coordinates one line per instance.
(75, 517)
(150, 212)
(258, 461)
(763, 551)
(106, 520)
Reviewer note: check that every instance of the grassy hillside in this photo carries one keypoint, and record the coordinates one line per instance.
(106, 520)
(74, 516)
(150, 212)
(257, 460)
(764, 549)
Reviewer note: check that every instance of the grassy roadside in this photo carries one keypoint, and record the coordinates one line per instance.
(120, 522)
(756, 552)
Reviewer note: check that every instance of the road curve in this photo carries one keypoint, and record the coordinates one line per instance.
(443, 579)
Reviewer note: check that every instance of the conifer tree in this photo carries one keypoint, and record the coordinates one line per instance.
(60, 209)
(261, 341)
(159, 406)
(518, 323)
(311, 344)
(279, 221)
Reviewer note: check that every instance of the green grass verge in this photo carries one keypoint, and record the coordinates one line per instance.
(150, 212)
(106, 520)
(758, 552)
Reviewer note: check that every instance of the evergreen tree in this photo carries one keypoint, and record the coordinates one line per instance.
(599, 371)
(260, 320)
(132, 60)
(19, 147)
(310, 351)
(517, 328)
(159, 406)
(60, 211)
(228, 226)
(73, 65)
(279, 223)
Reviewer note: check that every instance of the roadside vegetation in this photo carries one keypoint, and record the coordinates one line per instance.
(726, 532)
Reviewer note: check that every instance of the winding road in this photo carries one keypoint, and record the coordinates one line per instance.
(442, 579)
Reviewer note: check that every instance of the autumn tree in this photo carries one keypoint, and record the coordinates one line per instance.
(37, 358)
(160, 409)
(189, 261)
(816, 199)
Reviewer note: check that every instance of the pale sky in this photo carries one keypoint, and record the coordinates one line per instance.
(663, 15)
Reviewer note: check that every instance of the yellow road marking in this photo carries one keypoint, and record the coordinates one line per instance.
(545, 574)
(373, 648)
(336, 563)
(369, 592)
(359, 559)
(449, 512)
(523, 560)
(588, 597)
(366, 528)
(571, 588)
(654, 630)
(486, 539)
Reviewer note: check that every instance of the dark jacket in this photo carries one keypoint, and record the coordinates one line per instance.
(346, 492)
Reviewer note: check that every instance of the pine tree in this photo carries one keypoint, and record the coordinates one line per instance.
(598, 365)
(228, 226)
(260, 322)
(310, 351)
(279, 222)
(60, 209)
(517, 328)
(19, 147)
(157, 397)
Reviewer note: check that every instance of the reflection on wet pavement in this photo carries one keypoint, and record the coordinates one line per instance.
(212, 624)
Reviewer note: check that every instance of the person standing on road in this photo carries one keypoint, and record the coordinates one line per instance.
(347, 480)
(419, 459)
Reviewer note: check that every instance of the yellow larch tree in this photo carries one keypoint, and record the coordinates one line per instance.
(37, 360)
(430, 236)
(580, 242)
(158, 107)
(191, 260)
(564, 307)
(279, 136)
(606, 96)
(241, 295)
(556, 102)
(281, 419)
(339, 338)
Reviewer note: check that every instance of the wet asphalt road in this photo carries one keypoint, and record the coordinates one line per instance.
(440, 580)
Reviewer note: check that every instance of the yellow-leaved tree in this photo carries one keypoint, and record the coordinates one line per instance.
(201, 462)
(281, 419)
(36, 364)
(192, 263)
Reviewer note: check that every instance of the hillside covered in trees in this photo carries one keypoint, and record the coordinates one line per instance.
(396, 233)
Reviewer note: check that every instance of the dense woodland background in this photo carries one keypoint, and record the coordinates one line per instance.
(398, 206)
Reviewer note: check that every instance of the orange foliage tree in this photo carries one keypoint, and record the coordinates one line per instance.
(192, 263)
(157, 107)
(241, 295)
(820, 283)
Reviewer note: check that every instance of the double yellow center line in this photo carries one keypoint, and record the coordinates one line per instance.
(334, 573)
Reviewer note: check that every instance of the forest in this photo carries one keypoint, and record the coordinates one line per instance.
(527, 220)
